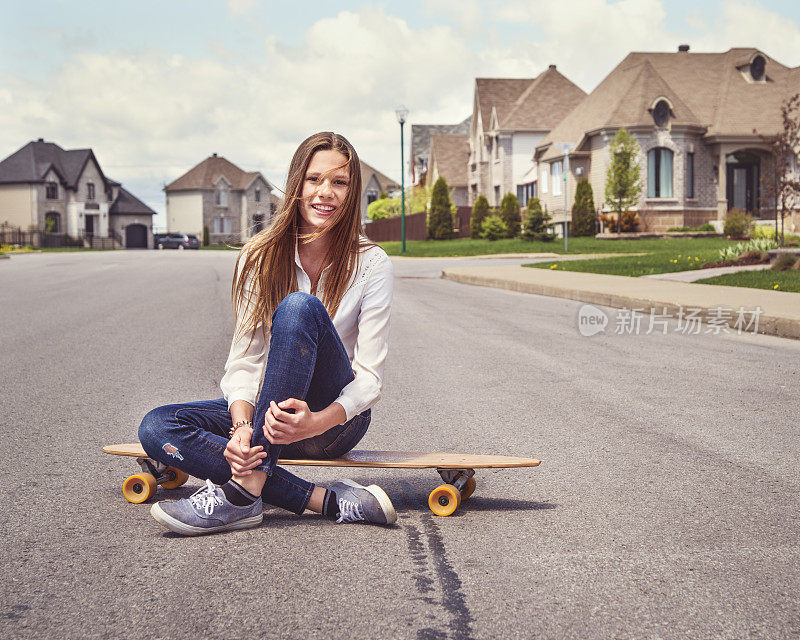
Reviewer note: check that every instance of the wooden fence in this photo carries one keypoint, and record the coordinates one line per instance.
(389, 229)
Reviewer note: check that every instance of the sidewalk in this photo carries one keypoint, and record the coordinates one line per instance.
(780, 310)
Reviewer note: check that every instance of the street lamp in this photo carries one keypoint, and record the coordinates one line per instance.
(565, 147)
(402, 113)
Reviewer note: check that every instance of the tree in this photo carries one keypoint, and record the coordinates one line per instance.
(383, 208)
(583, 223)
(536, 222)
(623, 177)
(440, 217)
(417, 198)
(783, 190)
(479, 212)
(493, 228)
(509, 213)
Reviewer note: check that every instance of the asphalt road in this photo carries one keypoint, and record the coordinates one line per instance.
(666, 505)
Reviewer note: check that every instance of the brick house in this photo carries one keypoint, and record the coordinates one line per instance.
(700, 120)
(510, 117)
(448, 157)
(65, 191)
(233, 204)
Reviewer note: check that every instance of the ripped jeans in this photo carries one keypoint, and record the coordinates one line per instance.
(307, 361)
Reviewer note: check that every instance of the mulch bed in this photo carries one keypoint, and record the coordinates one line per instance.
(739, 263)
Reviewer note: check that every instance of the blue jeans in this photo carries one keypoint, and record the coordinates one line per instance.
(307, 361)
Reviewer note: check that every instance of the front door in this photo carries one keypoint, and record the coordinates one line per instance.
(90, 225)
(742, 184)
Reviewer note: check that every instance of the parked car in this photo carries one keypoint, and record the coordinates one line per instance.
(175, 241)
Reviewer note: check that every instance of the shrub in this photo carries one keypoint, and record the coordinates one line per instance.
(738, 223)
(509, 213)
(702, 227)
(205, 235)
(583, 210)
(754, 254)
(479, 212)
(493, 228)
(536, 221)
(785, 262)
(440, 217)
(761, 231)
(383, 208)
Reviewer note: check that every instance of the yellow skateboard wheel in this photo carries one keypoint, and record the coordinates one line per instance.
(469, 488)
(444, 500)
(178, 478)
(139, 487)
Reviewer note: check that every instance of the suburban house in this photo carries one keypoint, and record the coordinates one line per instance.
(65, 191)
(701, 120)
(421, 144)
(510, 117)
(373, 183)
(231, 203)
(448, 157)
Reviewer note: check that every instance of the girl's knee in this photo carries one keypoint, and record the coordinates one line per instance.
(298, 304)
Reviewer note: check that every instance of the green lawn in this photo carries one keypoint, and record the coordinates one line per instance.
(663, 256)
(766, 279)
(469, 247)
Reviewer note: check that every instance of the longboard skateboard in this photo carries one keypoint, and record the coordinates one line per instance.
(457, 470)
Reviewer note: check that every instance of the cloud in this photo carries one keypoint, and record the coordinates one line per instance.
(241, 7)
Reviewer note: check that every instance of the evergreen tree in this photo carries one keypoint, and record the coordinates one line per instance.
(509, 213)
(440, 216)
(623, 177)
(493, 228)
(479, 212)
(583, 210)
(536, 222)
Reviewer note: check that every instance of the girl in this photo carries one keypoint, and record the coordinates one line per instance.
(321, 294)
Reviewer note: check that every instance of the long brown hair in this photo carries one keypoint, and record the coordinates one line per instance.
(266, 262)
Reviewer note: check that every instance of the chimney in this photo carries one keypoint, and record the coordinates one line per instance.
(40, 140)
(214, 155)
(683, 48)
(552, 66)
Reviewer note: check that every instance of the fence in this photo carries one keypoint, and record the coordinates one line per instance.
(389, 229)
(44, 239)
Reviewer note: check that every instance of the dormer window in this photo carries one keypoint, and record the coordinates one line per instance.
(51, 191)
(661, 113)
(90, 190)
(757, 67)
(258, 195)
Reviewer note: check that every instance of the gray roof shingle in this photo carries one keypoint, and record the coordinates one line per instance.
(32, 162)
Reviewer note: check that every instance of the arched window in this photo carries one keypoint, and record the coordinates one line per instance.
(221, 196)
(659, 173)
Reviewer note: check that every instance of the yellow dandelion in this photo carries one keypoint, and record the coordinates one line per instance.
(776, 286)
(553, 266)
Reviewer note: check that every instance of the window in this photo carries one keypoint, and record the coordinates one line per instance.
(90, 190)
(556, 170)
(525, 192)
(222, 225)
(757, 67)
(221, 197)
(52, 191)
(659, 173)
(544, 179)
(372, 196)
(690, 175)
(661, 113)
(258, 195)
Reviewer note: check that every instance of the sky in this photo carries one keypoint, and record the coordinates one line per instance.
(156, 86)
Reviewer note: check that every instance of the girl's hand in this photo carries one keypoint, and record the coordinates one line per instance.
(241, 457)
(281, 427)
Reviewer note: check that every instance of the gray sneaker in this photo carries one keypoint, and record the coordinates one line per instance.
(207, 510)
(363, 504)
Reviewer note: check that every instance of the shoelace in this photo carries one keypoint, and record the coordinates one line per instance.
(349, 511)
(206, 498)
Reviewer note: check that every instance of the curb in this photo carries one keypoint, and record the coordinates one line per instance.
(584, 287)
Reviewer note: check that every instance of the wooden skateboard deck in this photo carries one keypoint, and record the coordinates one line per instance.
(456, 469)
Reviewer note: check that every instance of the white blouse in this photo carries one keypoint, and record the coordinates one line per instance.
(362, 322)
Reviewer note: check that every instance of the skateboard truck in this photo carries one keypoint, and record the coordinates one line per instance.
(457, 477)
(142, 486)
(459, 485)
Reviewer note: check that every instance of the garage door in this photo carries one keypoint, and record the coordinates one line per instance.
(136, 236)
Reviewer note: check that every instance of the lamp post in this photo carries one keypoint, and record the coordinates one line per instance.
(565, 147)
(402, 114)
